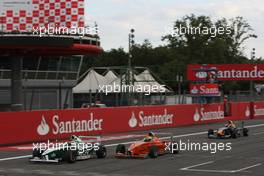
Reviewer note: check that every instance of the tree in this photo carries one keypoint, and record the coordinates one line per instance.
(197, 39)
(204, 41)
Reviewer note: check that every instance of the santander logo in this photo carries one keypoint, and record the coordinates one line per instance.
(196, 116)
(194, 90)
(133, 121)
(201, 75)
(62, 126)
(247, 112)
(143, 119)
(203, 115)
(43, 128)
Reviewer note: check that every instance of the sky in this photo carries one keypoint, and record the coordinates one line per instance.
(151, 18)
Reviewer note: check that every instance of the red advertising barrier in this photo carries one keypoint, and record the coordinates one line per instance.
(258, 109)
(227, 71)
(21, 127)
(241, 110)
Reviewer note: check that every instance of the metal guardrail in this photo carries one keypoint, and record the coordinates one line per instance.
(240, 96)
(168, 98)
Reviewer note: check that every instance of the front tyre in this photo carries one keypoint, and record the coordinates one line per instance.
(210, 133)
(70, 156)
(245, 132)
(121, 148)
(153, 152)
(101, 152)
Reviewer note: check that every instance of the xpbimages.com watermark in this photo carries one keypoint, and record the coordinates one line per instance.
(59, 30)
(211, 147)
(198, 30)
(140, 88)
(81, 147)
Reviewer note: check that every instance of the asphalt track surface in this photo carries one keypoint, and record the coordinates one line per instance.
(245, 159)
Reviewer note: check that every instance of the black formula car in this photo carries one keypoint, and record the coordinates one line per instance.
(226, 132)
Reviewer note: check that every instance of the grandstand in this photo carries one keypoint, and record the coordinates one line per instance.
(47, 78)
(39, 71)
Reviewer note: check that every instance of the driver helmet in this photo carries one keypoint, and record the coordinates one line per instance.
(230, 122)
(151, 134)
(73, 137)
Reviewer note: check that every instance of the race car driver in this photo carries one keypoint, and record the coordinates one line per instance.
(75, 139)
(230, 126)
(149, 137)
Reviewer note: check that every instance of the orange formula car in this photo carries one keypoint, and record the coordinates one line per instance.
(151, 146)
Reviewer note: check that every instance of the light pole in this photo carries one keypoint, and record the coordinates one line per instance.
(131, 42)
(253, 56)
(60, 92)
(25, 90)
(179, 79)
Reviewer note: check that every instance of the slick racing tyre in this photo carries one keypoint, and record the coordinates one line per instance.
(245, 132)
(234, 134)
(70, 156)
(153, 152)
(121, 149)
(101, 152)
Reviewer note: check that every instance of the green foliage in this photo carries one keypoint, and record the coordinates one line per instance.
(182, 49)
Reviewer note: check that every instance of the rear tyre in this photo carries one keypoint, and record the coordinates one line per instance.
(101, 152)
(121, 148)
(234, 134)
(153, 152)
(245, 132)
(70, 156)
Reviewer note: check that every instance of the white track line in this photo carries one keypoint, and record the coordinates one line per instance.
(187, 168)
(190, 168)
(111, 145)
(212, 171)
(14, 158)
(254, 126)
(246, 168)
(258, 133)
